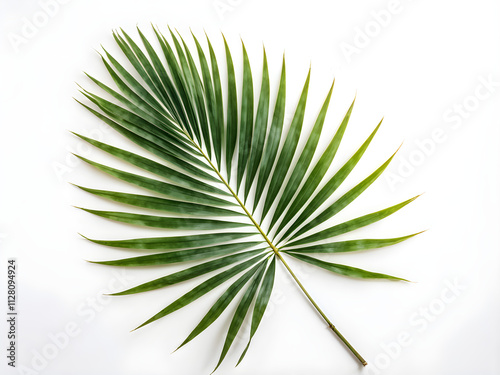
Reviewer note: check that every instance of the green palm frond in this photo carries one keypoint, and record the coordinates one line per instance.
(221, 173)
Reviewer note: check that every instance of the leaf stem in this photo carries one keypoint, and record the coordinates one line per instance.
(278, 254)
(323, 315)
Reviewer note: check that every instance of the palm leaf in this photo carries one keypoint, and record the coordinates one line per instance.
(171, 105)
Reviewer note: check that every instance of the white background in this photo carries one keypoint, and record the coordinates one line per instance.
(417, 67)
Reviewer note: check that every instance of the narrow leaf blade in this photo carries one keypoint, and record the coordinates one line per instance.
(288, 150)
(241, 312)
(273, 138)
(260, 129)
(246, 120)
(344, 270)
(317, 174)
(348, 246)
(202, 289)
(305, 158)
(261, 303)
(351, 225)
